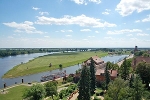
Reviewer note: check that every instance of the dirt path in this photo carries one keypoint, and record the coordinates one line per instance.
(75, 96)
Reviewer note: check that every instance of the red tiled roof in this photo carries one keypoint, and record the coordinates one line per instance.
(113, 73)
(139, 59)
(97, 60)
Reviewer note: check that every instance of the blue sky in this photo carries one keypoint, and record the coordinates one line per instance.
(74, 23)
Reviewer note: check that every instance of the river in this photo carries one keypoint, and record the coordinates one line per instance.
(8, 63)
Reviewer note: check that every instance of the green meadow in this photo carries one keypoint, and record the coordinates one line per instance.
(14, 93)
(41, 64)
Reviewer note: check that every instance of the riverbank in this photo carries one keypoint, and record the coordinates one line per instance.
(120, 62)
(16, 91)
(41, 64)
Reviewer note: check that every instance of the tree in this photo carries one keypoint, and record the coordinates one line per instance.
(117, 90)
(109, 65)
(84, 84)
(143, 69)
(93, 78)
(115, 67)
(36, 92)
(131, 80)
(51, 88)
(138, 89)
(124, 69)
(107, 78)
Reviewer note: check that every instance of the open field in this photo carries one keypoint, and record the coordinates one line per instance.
(41, 64)
(14, 93)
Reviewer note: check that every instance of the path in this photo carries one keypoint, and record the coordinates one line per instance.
(75, 96)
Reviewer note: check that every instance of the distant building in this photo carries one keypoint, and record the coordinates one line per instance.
(139, 59)
(100, 75)
(135, 49)
(99, 63)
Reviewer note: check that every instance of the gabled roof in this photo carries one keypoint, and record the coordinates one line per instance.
(113, 73)
(97, 60)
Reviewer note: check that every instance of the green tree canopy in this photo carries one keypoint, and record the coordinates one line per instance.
(124, 69)
(84, 84)
(36, 92)
(93, 78)
(117, 90)
(51, 88)
(137, 89)
(107, 78)
(143, 69)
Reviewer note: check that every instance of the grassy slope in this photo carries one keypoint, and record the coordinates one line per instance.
(14, 93)
(41, 64)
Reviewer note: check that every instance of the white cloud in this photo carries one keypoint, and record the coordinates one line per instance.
(35, 8)
(65, 31)
(95, 1)
(42, 13)
(62, 31)
(69, 30)
(85, 39)
(85, 30)
(46, 36)
(68, 35)
(130, 35)
(142, 34)
(134, 39)
(10, 37)
(18, 31)
(26, 26)
(148, 29)
(96, 32)
(85, 2)
(124, 31)
(127, 7)
(109, 38)
(106, 12)
(146, 19)
(137, 21)
(81, 20)
(80, 1)
(91, 36)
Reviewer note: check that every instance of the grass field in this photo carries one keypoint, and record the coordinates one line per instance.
(14, 93)
(41, 64)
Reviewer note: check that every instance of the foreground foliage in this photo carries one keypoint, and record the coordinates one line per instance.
(92, 76)
(125, 69)
(143, 69)
(36, 92)
(119, 89)
(84, 84)
(51, 88)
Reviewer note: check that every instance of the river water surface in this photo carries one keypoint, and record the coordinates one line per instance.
(8, 63)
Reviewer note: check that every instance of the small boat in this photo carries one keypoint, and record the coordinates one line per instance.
(53, 76)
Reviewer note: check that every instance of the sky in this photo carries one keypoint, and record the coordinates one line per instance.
(74, 23)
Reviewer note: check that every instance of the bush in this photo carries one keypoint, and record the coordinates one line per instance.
(36, 92)
(69, 79)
